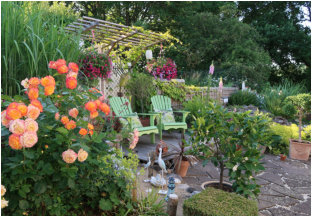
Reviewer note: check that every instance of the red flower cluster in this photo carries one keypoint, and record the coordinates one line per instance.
(95, 65)
(162, 68)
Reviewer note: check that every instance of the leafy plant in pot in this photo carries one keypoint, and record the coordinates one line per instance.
(216, 136)
(300, 149)
(182, 160)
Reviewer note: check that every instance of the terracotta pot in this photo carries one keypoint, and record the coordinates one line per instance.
(182, 170)
(283, 157)
(145, 121)
(299, 150)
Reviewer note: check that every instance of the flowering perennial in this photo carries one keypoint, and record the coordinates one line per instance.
(162, 68)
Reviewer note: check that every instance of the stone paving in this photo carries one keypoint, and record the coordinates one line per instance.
(285, 185)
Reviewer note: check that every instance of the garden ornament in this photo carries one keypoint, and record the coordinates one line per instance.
(146, 166)
(171, 187)
(162, 165)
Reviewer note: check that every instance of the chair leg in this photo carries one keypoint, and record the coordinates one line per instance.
(153, 138)
(160, 134)
(183, 132)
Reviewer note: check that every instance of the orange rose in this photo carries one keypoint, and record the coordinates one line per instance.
(73, 112)
(91, 132)
(98, 103)
(52, 65)
(33, 93)
(73, 66)
(90, 106)
(71, 83)
(13, 114)
(72, 75)
(5, 122)
(13, 105)
(83, 132)
(22, 108)
(33, 112)
(34, 82)
(94, 114)
(49, 90)
(60, 62)
(70, 125)
(37, 103)
(90, 126)
(62, 69)
(14, 142)
(48, 81)
(105, 108)
(64, 120)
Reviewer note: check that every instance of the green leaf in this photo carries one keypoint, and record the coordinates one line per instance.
(23, 204)
(71, 171)
(105, 205)
(29, 154)
(62, 130)
(48, 169)
(4, 131)
(71, 183)
(40, 187)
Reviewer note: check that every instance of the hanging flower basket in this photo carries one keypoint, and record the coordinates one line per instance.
(163, 68)
(94, 65)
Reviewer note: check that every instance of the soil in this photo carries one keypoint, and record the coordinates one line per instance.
(226, 187)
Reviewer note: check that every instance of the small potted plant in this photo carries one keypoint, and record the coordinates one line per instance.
(300, 149)
(231, 141)
(283, 157)
(182, 161)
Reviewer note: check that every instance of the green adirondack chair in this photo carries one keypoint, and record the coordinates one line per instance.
(122, 108)
(162, 105)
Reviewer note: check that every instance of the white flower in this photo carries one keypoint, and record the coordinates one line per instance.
(250, 177)
(4, 203)
(235, 167)
(25, 83)
(246, 158)
(3, 190)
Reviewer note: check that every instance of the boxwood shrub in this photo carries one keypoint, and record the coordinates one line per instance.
(244, 97)
(215, 202)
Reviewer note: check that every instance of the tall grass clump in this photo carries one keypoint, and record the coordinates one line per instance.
(274, 98)
(33, 34)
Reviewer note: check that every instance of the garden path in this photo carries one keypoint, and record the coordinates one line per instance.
(285, 185)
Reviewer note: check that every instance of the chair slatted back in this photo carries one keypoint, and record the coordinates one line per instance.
(121, 106)
(161, 103)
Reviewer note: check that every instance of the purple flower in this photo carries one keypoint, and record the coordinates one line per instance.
(211, 69)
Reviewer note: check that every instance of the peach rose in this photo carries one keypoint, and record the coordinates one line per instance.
(94, 114)
(73, 66)
(17, 127)
(82, 155)
(70, 125)
(13, 114)
(37, 104)
(69, 156)
(33, 93)
(60, 62)
(31, 125)
(105, 108)
(29, 139)
(14, 142)
(33, 112)
(72, 74)
(3, 190)
(83, 132)
(48, 81)
(90, 126)
(62, 69)
(73, 112)
(64, 120)
(90, 106)
(57, 116)
(22, 108)
(34, 82)
(49, 90)
(5, 122)
(71, 83)
(52, 65)
(25, 83)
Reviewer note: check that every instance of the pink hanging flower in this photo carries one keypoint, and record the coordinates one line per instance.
(220, 84)
(211, 69)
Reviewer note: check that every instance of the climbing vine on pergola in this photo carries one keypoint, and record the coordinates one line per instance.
(130, 41)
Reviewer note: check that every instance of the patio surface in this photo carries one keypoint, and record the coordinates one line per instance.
(285, 185)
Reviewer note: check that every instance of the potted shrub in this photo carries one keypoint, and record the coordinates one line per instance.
(231, 141)
(182, 161)
(300, 149)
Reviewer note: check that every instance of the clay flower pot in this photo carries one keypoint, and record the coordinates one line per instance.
(283, 157)
(299, 150)
(182, 168)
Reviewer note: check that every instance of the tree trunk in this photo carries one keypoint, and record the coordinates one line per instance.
(221, 176)
(300, 124)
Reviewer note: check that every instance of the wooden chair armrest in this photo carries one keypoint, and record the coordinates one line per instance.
(184, 114)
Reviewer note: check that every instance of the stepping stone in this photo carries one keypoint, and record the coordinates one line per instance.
(297, 183)
(275, 200)
(270, 177)
(281, 211)
(302, 207)
(285, 191)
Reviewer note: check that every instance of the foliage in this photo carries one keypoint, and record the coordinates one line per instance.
(214, 202)
(233, 141)
(302, 103)
(94, 65)
(285, 36)
(172, 89)
(41, 177)
(244, 97)
(31, 36)
(151, 205)
(196, 106)
(141, 88)
(274, 98)
(163, 68)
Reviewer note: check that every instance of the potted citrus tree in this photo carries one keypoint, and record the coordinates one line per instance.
(231, 141)
(300, 149)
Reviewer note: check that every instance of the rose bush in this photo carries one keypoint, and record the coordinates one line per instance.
(53, 156)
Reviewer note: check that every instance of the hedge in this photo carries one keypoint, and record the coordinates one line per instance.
(215, 202)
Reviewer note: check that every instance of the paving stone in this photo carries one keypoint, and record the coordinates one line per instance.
(265, 213)
(262, 182)
(297, 182)
(303, 207)
(264, 204)
(190, 180)
(267, 190)
(270, 177)
(286, 191)
(281, 211)
(275, 200)
(302, 190)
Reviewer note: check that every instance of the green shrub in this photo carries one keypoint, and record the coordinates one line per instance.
(172, 89)
(214, 202)
(274, 99)
(244, 97)
(195, 106)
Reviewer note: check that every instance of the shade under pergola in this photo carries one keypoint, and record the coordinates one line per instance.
(111, 34)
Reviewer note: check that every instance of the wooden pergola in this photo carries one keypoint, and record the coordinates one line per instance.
(109, 34)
